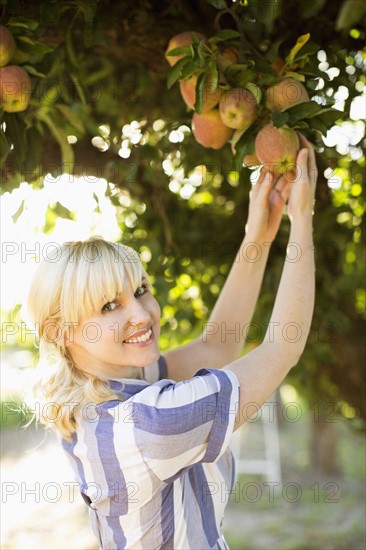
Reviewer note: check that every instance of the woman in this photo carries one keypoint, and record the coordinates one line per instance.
(146, 434)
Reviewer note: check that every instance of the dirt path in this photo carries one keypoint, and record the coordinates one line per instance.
(41, 508)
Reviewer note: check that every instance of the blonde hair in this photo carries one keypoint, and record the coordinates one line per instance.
(74, 282)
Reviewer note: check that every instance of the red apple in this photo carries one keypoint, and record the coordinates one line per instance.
(188, 91)
(238, 108)
(179, 40)
(286, 93)
(277, 148)
(15, 89)
(7, 46)
(209, 130)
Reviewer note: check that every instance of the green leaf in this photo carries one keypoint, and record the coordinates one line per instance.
(218, 4)
(255, 90)
(300, 124)
(50, 223)
(302, 62)
(200, 92)
(227, 34)
(319, 126)
(78, 88)
(175, 72)
(182, 50)
(213, 80)
(245, 145)
(63, 212)
(49, 96)
(71, 117)
(310, 48)
(61, 138)
(31, 70)
(273, 50)
(34, 48)
(18, 212)
(72, 58)
(329, 117)
(189, 69)
(307, 109)
(22, 22)
(350, 13)
(238, 74)
(310, 8)
(236, 138)
(262, 66)
(279, 118)
(202, 51)
(301, 41)
(296, 76)
(268, 79)
(11, 182)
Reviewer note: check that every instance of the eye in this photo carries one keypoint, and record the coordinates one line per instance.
(107, 307)
(141, 290)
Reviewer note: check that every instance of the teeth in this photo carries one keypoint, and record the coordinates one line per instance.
(142, 338)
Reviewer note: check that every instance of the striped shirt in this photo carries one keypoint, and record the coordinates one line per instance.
(155, 469)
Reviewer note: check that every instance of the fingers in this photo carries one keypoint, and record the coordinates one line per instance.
(261, 180)
(266, 185)
(280, 184)
(312, 168)
(283, 187)
(262, 174)
(302, 163)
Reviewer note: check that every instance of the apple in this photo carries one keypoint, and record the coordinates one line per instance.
(251, 160)
(7, 46)
(238, 108)
(209, 130)
(179, 40)
(188, 91)
(277, 148)
(15, 89)
(227, 57)
(286, 93)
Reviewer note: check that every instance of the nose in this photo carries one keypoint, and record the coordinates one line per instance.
(138, 318)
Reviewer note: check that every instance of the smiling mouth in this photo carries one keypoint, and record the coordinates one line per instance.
(140, 339)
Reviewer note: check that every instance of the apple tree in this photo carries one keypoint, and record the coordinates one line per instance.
(87, 90)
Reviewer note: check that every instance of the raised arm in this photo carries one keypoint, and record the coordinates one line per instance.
(223, 336)
(262, 370)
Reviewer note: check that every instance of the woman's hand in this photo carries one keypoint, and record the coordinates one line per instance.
(267, 201)
(301, 200)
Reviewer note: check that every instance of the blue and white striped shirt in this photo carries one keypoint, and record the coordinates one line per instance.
(155, 469)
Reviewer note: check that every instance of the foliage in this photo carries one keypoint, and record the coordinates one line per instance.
(101, 107)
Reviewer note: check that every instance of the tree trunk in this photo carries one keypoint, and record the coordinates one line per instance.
(324, 437)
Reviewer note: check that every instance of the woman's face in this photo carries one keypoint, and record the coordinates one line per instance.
(122, 336)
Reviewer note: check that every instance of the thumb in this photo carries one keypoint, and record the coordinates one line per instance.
(302, 162)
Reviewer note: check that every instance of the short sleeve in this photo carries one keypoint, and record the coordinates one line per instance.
(178, 424)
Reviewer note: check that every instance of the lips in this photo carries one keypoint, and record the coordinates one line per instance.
(140, 337)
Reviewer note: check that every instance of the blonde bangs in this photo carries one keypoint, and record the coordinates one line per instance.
(95, 275)
(75, 281)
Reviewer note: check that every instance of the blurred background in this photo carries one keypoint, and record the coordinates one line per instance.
(106, 148)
